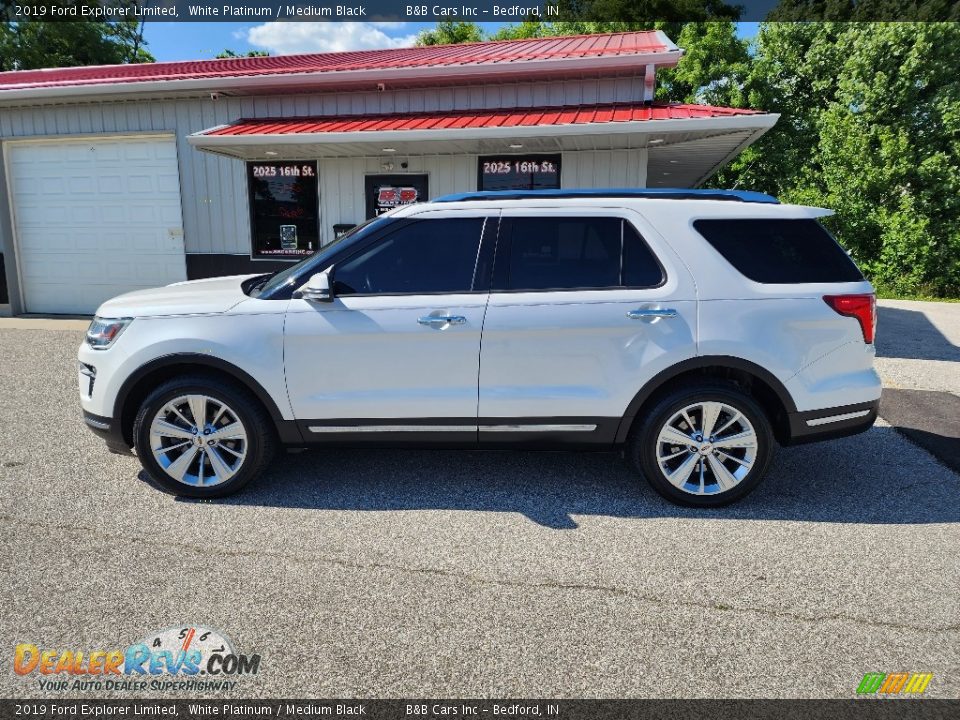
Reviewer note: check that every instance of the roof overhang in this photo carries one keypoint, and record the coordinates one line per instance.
(682, 152)
(259, 84)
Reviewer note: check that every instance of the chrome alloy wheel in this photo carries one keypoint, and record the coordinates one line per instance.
(198, 440)
(706, 448)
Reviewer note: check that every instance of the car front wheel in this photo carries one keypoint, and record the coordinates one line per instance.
(202, 437)
(703, 445)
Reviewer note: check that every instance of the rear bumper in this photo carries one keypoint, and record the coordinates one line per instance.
(829, 423)
(109, 430)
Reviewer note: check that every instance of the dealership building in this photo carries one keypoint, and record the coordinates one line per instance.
(114, 178)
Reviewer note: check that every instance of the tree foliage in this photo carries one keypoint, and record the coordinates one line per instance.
(869, 127)
(38, 44)
(227, 54)
(451, 33)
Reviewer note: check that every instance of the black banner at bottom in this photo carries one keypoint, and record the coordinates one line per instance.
(853, 709)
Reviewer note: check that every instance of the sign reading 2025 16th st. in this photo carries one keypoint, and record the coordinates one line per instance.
(519, 172)
(284, 208)
(177, 658)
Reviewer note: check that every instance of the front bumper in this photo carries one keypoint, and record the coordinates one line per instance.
(829, 423)
(109, 430)
(97, 372)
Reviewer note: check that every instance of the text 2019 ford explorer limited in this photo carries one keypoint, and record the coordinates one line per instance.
(691, 329)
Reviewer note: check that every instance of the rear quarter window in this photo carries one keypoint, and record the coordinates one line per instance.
(780, 251)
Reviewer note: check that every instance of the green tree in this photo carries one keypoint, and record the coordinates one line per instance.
(227, 53)
(714, 69)
(128, 35)
(451, 33)
(37, 44)
(869, 127)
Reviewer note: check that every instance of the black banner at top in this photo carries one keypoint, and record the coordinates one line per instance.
(633, 12)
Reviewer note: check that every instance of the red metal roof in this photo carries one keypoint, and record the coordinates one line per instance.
(515, 117)
(470, 54)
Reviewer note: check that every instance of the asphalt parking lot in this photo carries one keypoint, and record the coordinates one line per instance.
(409, 573)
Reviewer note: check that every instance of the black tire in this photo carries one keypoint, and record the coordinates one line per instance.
(260, 433)
(642, 446)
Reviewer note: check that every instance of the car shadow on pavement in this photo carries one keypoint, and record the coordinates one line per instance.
(928, 418)
(910, 334)
(877, 477)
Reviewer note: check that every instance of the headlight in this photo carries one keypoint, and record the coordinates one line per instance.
(103, 332)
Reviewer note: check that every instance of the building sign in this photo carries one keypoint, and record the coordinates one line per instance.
(284, 209)
(385, 192)
(519, 172)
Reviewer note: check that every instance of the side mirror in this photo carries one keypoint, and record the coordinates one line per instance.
(318, 288)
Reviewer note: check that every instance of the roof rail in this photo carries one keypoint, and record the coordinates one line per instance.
(747, 196)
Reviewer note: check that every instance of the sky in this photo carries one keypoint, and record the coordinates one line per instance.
(202, 41)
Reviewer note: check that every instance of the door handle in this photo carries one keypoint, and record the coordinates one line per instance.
(439, 320)
(651, 314)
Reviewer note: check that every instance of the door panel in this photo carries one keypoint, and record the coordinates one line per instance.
(370, 357)
(578, 357)
(574, 358)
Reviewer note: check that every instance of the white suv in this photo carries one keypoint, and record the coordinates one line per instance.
(690, 329)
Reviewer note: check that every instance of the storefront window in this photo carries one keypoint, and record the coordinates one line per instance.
(519, 172)
(385, 192)
(284, 209)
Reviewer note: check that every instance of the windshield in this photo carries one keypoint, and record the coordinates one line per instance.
(273, 282)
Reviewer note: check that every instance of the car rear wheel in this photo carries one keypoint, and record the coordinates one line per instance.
(201, 437)
(703, 445)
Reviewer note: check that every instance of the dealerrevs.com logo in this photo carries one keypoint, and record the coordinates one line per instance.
(178, 658)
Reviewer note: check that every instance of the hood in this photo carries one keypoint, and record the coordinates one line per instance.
(194, 297)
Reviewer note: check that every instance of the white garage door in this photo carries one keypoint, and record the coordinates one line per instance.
(95, 218)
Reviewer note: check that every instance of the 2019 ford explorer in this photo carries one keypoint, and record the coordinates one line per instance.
(693, 330)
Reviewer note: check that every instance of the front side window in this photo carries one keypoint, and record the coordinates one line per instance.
(565, 253)
(422, 256)
(284, 209)
(271, 285)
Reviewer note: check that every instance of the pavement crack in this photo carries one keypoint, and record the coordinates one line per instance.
(12, 521)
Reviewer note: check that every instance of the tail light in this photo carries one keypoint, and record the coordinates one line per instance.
(862, 307)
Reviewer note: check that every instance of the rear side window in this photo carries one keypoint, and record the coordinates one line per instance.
(780, 251)
(565, 253)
